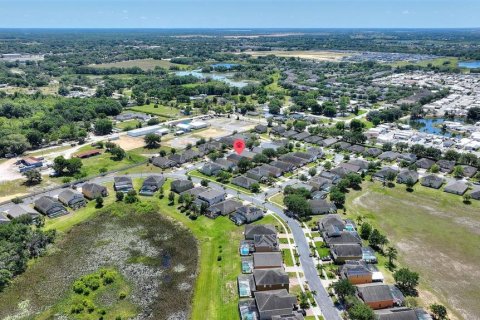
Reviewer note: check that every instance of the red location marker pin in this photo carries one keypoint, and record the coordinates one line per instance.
(239, 146)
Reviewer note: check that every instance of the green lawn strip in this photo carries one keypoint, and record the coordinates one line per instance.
(127, 125)
(277, 199)
(322, 251)
(43, 152)
(287, 258)
(198, 174)
(436, 224)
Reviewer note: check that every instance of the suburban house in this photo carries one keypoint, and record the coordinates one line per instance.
(376, 296)
(259, 229)
(320, 183)
(271, 279)
(328, 142)
(211, 197)
(151, 185)
(274, 303)
(122, 184)
(383, 173)
(475, 194)
(4, 219)
(301, 185)
(178, 158)
(72, 199)
(180, 186)
(402, 313)
(333, 177)
(408, 157)
(341, 237)
(243, 181)
(210, 169)
(356, 149)
(267, 260)
(322, 206)
(343, 145)
(389, 156)
(405, 175)
(258, 174)
(272, 170)
(225, 164)
(18, 210)
(356, 271)
(278, 130)
(194, 192)
(316, 152)
(235, 158)
(432, 181)
(294, 160)
(284, 166)
(446, 165)
(469, 171)
(424, 163)
(457, 187)
(92, 191)
(331, 223)
(350, 167)
(305, 155)
(266, 243)
(223, 208)
(301, 136)
(372, 152)
(246, 214)
(49, 206)
(163, 162)
(260, 128)
(362, 164)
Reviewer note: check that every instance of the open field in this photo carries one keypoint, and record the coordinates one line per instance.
(144, 64)
(436, 235)
(91, 166)
(156, 260)
(128, 143)
(313, 55)
(453, 62)
(162, 111)
(127, 125)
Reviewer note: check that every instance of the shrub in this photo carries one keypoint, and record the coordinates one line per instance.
(122, 295)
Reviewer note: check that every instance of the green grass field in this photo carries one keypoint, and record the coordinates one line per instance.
(453, 62)
(144, 64)
(161, 111)
(436, 235)
(91, 166)
(277, 199)
(127, 125)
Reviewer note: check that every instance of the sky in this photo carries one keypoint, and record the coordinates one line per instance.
(239, 13)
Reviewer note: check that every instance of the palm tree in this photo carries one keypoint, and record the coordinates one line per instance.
(391, 253)
(359, 219)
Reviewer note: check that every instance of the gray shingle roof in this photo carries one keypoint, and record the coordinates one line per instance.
(270, 277)
(374, 292)
(274, 300)
(259, 229)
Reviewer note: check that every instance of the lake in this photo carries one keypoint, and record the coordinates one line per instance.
(214, 76)
(470, 64)
(432, 126)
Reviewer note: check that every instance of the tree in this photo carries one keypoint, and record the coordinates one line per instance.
(59, 164)
(365, 230)
(354, 180)
(98, 202)
(406, 281)
(330, 111)
(171, 198)
(297, 204)
(390, 177)
(255, 187)
(173, 150)
(327, 165)
(435, 168)
(74, 165)
(119, 195)
(131, 197)
(204, 182)
(118, 153)
(312, 172)
(243, 165)
(376, 239)
(343, 288)
(103, 127)
(361, 311)
(467, 198)
(300, 125)
(152, 140)
(409, 183)
(269, 152)
(161, 192)
(357, 125)
(33, 177)
(439, 311)
(387, 146)
(260, 158)
(337, 196)
(458, 172)
(391, 253)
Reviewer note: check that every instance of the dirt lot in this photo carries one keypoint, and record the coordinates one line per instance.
(436, 235)
(129, 143)
(313, 55)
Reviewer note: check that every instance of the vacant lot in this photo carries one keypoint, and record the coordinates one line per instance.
(436, 235)
(161, 111)
(144, 64)
(313, 55)
(156, 259)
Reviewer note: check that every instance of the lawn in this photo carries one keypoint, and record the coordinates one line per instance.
(453, 62)
(144, 64)
(322, 251)
(287, 258)
(436, 235)
(162, 111)
(127, 125)
(277, 199)
(92, 166)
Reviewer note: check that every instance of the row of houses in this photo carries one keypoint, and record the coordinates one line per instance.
(149, 186)
(189, 155)
(216, 202)
(357, 265)
(264, 286)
